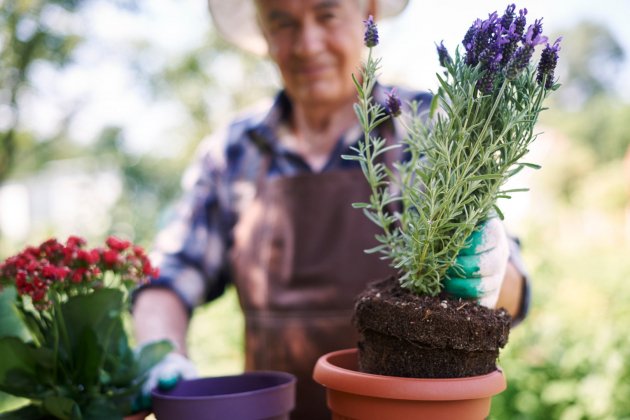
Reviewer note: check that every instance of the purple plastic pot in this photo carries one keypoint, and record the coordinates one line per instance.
(267, 395)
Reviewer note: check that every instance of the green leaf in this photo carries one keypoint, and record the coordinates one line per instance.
(152, 353)
(484, 177)
(376, 249)
(350, 157)
(33, 326)
(435, 102)
(10, 322)
(120, 368)
(61, 407)
(28, 412)
(516, 170)
(359, 112)
(530, 165)
(358, 86)
(97, 311)
(498, 211)
(23, 367)
(513, 190)
(88, 356)
(386, 149)
(104, 409)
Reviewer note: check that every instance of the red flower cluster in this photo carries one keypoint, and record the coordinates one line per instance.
(72, 269)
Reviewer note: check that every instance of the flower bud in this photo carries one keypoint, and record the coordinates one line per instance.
(508, 16)
(518, 62)
(443, 55)
(520, 22)
(547, 64)
(371, 33)
(393, 104)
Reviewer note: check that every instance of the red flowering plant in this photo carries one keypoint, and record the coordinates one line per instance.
(77, 362)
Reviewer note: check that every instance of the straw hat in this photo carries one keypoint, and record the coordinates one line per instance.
(236, 21)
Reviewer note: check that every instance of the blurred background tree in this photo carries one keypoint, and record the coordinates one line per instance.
(41, 145)
(589, 108)
(28, 36)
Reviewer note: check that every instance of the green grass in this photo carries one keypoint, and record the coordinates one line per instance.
(215, 339)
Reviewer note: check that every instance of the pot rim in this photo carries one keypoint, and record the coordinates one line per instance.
(288, 381)
(337, 370)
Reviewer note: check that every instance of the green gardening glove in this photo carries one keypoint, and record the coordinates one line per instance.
(480, 267)
(165, 375)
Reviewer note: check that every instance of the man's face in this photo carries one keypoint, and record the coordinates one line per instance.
(317, 46)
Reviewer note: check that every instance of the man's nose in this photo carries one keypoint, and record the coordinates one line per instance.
(309, 39)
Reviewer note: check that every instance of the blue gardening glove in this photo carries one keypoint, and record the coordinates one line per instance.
(165, 375)
(481, 265)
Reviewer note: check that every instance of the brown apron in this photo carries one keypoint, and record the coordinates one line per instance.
(298, 265)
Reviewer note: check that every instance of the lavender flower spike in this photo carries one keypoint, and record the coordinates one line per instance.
(523, 55)
(468, 40)
(547, 64)
(443, 54)
(520, 22)
(392, 103)
(508, 16)
(371, 33)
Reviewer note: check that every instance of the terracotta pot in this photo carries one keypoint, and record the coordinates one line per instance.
(250, 396)
(355, 395)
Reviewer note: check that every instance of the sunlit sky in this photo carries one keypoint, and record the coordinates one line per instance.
(104, 89)
(427, 22)
(408, 40)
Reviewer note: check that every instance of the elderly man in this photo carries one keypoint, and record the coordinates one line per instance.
(269, 206)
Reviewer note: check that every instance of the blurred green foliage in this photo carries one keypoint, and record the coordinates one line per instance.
(36, 34)
(590, 61)
(26, 38)
(569, 360)
(601, 125)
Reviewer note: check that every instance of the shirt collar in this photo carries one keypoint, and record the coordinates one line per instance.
(265, 135)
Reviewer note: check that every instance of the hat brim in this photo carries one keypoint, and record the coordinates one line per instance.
(235, 20)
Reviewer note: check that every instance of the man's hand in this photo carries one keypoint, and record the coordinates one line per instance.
(165, 375)
(481, 265)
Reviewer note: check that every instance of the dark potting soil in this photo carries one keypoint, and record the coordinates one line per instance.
(403, 334)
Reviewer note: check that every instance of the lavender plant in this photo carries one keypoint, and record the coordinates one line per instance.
(461, 152)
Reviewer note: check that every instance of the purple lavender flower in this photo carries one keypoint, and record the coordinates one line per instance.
(468, 42)
(392, 103)
(508, 16)
(371, 33)
(547, 64)
(536, 28)
(493, 46)
(523, 54)
(481, 38)
(518, 62)
(512, 38)
(534, 35)
(520, 22)
(486, 83)
(443, 54)
(490, 58)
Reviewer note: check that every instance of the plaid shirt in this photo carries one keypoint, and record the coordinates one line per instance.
(193, 250)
